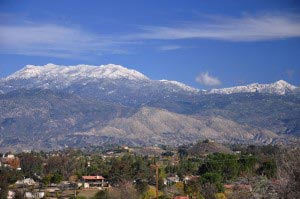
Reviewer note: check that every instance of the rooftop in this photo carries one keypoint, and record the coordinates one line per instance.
(93, 177)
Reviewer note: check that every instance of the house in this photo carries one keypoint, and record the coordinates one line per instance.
(94, 182)
(10, 161)
(237, 152)
(172, 180)
(190, 178)
(34, 195)
(26, 182)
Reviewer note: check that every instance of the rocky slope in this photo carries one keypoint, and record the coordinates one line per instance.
(43, 119)
(158, 126)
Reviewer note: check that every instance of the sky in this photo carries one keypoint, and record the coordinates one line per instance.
(204, 44)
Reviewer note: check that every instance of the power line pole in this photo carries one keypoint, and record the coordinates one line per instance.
(156, 167)
(156, 176)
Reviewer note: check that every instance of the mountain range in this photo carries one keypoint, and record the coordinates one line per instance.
(52, 107)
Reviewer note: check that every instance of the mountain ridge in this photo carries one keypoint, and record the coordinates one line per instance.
(63, 76)
(279, 87)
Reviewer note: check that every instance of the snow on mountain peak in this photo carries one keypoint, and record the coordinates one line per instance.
(282, 83)
(60, 76)
(280, 87)
(49, 71)
(181, 85)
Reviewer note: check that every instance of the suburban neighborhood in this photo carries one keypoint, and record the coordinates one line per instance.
(204, 170)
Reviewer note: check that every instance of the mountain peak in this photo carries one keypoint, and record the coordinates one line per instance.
(115, 71)
(180, 85)
(282, 83)
(280, 87)
(48, 71)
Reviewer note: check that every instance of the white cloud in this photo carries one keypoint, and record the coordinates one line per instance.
(207, 80)
(68, 41)
(54, 41)
(245, 28)
(169, 47)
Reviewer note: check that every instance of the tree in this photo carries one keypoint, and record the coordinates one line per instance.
(56, 178)
(31, 164)
(47, 179)
(214, 179)
(209, 190)
(127, 190)
(182, 151)
(59, 164)
(141, 186)
(224, 164)
(3, 187)
(193, 187)
(247, 164)
(268, 168)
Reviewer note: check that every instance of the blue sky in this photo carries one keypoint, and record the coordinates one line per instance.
(205, 44)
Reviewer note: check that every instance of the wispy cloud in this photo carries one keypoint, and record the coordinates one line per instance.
(169, 47)
(55, 41)
(68, 41)
(207, 80)
(245, 28)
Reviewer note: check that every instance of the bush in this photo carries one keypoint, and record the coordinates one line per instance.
(212, 178)
(267, 168)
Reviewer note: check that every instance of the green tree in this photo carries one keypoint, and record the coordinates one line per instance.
(192, 187)
(3, 186)
(247, 164)
(214, 179)
(268, 168)
(224, 164)
(31, 164)
(56, 178)
(47, 179)
(141, 186)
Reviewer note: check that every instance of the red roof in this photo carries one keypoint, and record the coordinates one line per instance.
(181, 197)
(93, 177)
(228, 186)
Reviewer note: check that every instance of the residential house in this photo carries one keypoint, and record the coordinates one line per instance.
(181, 197)
(171, 180)
(26, 182)
(186, 179)
(10, 161)
(94, 182)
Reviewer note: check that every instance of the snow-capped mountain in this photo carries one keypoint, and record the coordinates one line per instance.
(110, 82)
(179, 84)
(79, 72)
(51, 75)
(280, 87)
(115, 83)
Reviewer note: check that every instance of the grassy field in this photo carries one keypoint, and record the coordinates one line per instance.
(87, 193)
